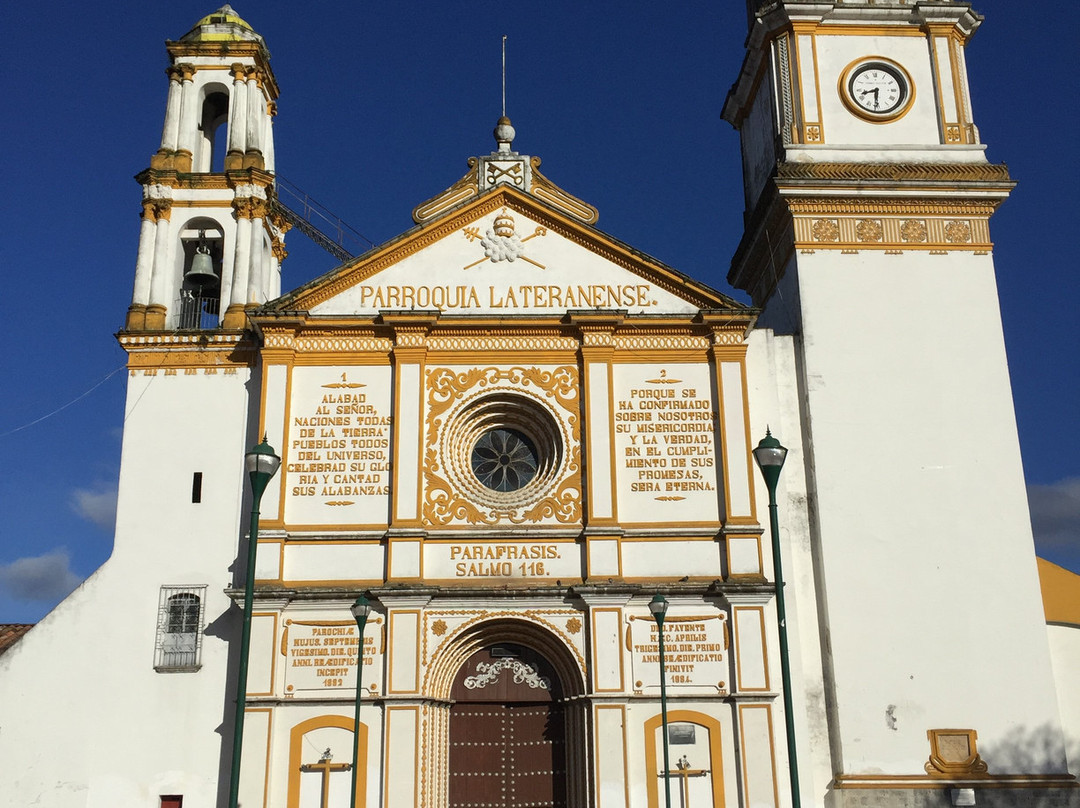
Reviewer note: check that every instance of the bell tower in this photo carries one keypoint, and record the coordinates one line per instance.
(868, 198)
(210, 246)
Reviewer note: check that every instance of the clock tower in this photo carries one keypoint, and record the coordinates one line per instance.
(868, 197)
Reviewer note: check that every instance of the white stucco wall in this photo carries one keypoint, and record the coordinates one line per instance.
(922, 521)
(84, 717)
(1065, 656)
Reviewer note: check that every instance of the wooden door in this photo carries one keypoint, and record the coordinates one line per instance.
(507, 734)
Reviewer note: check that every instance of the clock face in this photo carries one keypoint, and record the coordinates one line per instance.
(878, 88)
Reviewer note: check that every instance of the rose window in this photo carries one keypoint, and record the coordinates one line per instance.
(504, 460)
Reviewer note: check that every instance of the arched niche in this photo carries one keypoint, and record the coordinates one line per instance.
(333, 732)
(213, 129)
(198, 302)
(697, 759)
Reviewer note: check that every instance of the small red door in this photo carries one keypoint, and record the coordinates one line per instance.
(507, 735)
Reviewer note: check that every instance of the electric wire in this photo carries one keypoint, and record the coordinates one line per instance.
(65, 406)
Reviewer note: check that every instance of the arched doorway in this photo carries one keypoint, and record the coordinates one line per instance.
(507, 731)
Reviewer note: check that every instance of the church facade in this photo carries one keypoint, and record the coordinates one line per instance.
(510, 433)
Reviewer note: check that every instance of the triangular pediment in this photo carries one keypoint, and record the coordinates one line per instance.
(503, 253)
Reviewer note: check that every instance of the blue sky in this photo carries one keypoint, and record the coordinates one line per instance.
(379, 110)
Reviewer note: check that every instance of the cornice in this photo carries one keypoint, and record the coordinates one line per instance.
(228, 51)
(952, 173)
(205, 181)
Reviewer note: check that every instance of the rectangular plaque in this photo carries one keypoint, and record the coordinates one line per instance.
(337, 447)
(665, 444)
(490, 561)
(320, 655)
(695, 651)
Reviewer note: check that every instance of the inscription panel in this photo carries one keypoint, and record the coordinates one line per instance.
(337, 447)
(665, 444)
(695, 651)
(320, 656)
(488, 561)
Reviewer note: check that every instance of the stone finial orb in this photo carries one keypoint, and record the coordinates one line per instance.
(504, 133)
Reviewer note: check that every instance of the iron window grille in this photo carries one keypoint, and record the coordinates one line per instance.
(179, 629)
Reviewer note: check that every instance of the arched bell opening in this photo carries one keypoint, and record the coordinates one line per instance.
(213, 129)
(512, 726)
(201, 249)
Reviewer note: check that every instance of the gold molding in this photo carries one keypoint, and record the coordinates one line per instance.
(896, 172)
(863, 230)
(923, 781)
(462, 190)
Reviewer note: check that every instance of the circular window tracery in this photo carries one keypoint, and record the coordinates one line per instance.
(505, 450)
(504, 459)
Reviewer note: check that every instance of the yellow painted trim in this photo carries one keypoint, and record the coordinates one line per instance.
(269, 747)
(393, 645)
(750, 444)
(659, 578)
(1060, 593)
(738, 648)
(336, 527)
(625, 752)
(613, 466)
(273, 656)
(772, 749)
(595, 661)
(760, 574)
(300, 583)
(416, 748)
(296, 754)
(910, 781)
(716, 754)
(820, 139)
(301, 541)
(391, 545)
(962, 117)
(721, 427)
(943, 115)
(797, 103)
(827, 29)
(667, 522)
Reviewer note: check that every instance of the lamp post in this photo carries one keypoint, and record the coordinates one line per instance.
(261, 464)
(360, 611)
(770, 456)
(658, 606)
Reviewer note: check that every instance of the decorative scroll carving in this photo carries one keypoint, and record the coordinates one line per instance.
(448, 494)
(524, 673)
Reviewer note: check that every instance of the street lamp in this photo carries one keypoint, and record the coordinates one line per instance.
(261, 464)
(770, 456)
(360, 611)
(658, 606)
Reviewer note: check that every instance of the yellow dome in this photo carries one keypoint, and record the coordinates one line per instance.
(223, 25)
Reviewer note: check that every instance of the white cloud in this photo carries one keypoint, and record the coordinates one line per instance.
(45, 577)
(97, 505)
(1055, 519)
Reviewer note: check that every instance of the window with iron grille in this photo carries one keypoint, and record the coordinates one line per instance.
(179, 629)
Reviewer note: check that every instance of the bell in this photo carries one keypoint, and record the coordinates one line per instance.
(202, 268)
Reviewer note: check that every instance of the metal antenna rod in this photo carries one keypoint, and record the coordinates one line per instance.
(504, 76)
